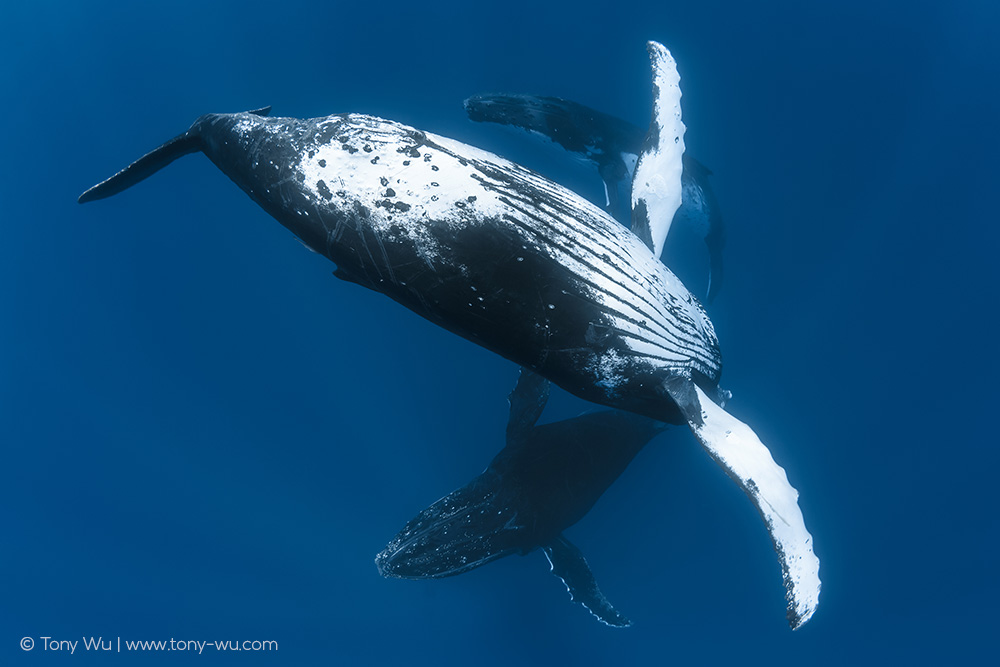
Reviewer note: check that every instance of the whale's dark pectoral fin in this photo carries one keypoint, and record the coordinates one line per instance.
(147, 165)
(527, 401)
(351, 277)
(569, 565)
(739, 451)
(263, 111)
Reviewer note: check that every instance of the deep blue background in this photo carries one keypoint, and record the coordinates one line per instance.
(205, 435)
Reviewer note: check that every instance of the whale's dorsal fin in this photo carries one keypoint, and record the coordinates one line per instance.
(739, 451)
(656, 185)
(569, 565)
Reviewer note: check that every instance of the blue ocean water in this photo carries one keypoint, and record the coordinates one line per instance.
(206, 436)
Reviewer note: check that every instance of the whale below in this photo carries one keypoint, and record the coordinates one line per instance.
(513, 262)
(544, 481)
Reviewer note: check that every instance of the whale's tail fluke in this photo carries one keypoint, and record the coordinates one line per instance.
(147, 165)
(152, 162)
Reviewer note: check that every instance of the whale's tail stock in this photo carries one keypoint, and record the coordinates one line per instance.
(152, 162)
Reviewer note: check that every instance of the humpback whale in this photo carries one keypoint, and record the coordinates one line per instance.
(544, 481)
(613, 145)
(515, 263)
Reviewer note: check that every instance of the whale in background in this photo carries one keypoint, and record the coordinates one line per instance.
(613, 145)
(544, 481)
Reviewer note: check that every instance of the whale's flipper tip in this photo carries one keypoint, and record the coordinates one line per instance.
(263, 111)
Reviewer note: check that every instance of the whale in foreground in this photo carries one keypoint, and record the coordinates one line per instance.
(474, 243)
(613, 145)
(544, 481)
(509, 260)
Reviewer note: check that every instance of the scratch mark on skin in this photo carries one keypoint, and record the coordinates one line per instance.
(385, 257)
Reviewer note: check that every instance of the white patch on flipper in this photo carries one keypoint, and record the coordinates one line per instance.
(657, 180)
(740, 452)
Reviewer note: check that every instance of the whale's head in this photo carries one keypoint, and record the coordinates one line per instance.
(470, 527)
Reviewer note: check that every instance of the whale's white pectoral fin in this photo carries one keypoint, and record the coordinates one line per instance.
(656, 185)
(744, 457)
